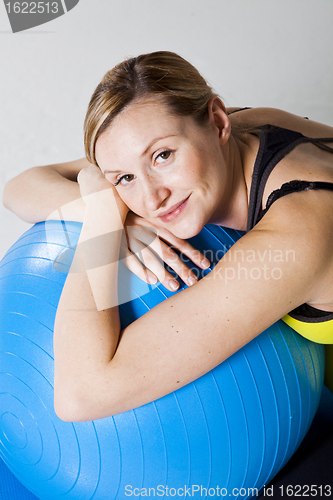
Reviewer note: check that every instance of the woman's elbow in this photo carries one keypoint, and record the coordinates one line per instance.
(72, 405)
(11, 200)
(7, 196)
(70, 408)
(65, 410)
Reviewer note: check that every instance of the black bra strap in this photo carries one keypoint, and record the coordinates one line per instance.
(261, 172)
(318, 142)
(236, 110)
(294, 187)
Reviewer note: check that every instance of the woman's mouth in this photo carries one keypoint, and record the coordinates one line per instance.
(174, 211)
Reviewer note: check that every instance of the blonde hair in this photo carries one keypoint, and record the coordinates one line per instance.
(163, 75)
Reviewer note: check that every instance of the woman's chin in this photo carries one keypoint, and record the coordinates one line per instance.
(186, 232)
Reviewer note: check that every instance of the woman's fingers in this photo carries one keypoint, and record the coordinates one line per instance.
(186, 249)
(147, 266)
(138, 235)
(155, 255)
(152, 266)
(182, 246)
(142, 236)
(170, 257)
(137, 267)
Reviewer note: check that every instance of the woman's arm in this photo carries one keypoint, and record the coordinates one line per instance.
(255, 117)
(190, 333)
(41, 191)
(89, 297)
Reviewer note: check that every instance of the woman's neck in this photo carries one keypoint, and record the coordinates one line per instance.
(239, 154)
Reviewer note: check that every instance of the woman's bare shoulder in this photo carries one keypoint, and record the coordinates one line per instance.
(255, 117)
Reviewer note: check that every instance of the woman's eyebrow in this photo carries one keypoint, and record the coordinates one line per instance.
(144, 152)
(156, 140)
(111, 172)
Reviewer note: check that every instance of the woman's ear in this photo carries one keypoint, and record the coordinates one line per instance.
(219, 119)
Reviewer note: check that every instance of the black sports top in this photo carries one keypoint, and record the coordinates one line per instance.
(275, 143)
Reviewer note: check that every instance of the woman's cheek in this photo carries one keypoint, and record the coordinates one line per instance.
(131, 200)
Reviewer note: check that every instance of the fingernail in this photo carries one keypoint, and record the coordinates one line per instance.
(205, 263)
(152, 280)
(191, 280)
(174, 285)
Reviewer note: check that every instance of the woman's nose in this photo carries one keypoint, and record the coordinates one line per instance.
(154, 194)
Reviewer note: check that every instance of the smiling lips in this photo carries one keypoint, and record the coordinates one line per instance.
(174, 211)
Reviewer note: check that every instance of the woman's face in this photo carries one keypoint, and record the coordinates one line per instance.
(166, 168)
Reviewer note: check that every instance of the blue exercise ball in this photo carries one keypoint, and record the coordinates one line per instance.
(225, 434)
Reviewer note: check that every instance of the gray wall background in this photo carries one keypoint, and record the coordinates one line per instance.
(275, 53)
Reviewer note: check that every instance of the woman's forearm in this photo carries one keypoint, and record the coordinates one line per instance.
(45, 192)
(87, 324)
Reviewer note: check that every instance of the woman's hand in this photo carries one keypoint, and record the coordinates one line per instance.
(149, 247)
(92, 181)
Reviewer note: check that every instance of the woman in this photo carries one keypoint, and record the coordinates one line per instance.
(164, 153)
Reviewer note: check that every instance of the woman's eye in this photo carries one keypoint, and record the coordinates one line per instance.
(165, 155)
(124, 179)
